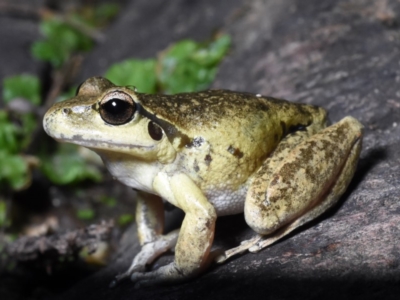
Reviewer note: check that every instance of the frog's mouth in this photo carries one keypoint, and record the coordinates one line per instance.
(102, 145)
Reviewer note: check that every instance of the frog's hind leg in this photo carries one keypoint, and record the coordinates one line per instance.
(291, 190)
(307, 183)
(330, 200)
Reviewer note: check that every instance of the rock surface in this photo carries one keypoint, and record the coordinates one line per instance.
(343, 55)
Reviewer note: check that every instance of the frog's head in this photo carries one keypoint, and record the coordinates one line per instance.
(108, 119)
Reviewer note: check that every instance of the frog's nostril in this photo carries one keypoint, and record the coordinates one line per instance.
(66, 111)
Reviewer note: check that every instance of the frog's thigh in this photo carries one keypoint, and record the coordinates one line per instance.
(308, 181)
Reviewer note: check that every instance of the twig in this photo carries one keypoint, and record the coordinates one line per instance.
(25, 11)
(61, 78)
(45, 13)
(94, 34)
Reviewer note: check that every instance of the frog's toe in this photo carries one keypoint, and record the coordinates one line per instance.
(244, 246)
(164, 275)
(146, 279)
(220, 258)
(119, 278)
(138, 278)
(256, 248)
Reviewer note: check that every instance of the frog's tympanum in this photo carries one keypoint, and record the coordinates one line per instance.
(210, 153)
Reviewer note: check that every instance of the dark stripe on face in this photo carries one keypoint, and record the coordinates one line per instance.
(170, 130)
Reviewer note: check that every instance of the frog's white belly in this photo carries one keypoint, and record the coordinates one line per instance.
(140, 175)
(227, 202)
(136, 174)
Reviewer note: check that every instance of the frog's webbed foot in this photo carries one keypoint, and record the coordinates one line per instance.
(260, 242)
(170, 273)
(149, 252)
(267, 240)
(244, 246)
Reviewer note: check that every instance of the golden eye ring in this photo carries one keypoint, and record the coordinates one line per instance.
(117, 108)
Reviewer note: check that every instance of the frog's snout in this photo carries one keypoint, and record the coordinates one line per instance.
(46, 123)
(52, 120)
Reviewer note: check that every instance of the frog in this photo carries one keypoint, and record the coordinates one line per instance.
(212, 153)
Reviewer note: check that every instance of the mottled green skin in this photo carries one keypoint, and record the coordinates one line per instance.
(241, 130)
(195, 113)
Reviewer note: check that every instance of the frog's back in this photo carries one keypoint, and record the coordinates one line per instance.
(223, 137)
(217, 110)
(207, 108)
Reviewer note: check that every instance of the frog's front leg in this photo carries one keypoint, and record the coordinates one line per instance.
(299, 182)
(150, 222)
(196, 234)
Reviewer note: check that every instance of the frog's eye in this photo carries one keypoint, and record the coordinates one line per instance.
(117, 108)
